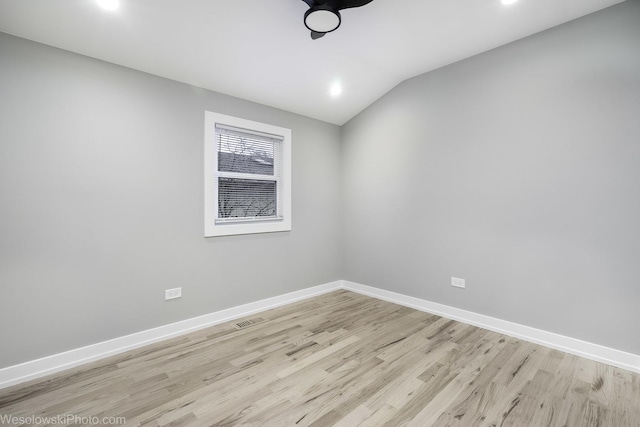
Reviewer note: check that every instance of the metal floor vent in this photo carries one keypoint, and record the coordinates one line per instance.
(249, 322)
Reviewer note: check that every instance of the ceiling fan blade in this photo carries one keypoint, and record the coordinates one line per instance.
(346, 4)
(315, 35)
(310, 3)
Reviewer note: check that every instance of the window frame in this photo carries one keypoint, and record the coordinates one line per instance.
(228, 227)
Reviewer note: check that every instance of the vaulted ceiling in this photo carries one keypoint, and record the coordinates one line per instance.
(260, 50)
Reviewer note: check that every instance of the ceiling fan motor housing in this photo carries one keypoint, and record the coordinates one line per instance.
(322, 18)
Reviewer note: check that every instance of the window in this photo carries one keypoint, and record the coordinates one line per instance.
(247, 176)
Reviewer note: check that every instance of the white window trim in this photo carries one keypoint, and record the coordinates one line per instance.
(242, 226)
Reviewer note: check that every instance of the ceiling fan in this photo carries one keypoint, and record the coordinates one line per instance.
(324, 17)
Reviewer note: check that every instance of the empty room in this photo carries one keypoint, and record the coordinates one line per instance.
(320, 213)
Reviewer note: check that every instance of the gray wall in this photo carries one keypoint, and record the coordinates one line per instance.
(101, 204)
(518, 170)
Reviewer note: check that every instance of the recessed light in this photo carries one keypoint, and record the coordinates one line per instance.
(109, 4)
(507, 2)
(336, 90)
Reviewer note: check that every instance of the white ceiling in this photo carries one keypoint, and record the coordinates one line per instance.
(260, 50)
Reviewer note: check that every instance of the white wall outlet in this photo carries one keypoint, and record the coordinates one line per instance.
(172, 293)
(457, 282)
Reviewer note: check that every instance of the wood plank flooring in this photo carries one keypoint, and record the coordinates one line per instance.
(340, 359)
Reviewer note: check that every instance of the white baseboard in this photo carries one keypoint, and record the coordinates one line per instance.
(599, 353)
(27, 371)
(34, 369)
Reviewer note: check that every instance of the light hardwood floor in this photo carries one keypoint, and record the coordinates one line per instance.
(340, 359)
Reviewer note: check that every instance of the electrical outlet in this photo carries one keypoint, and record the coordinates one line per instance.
(172, 293)
(457, 282)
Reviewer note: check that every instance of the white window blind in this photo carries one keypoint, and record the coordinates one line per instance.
(248, 175)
